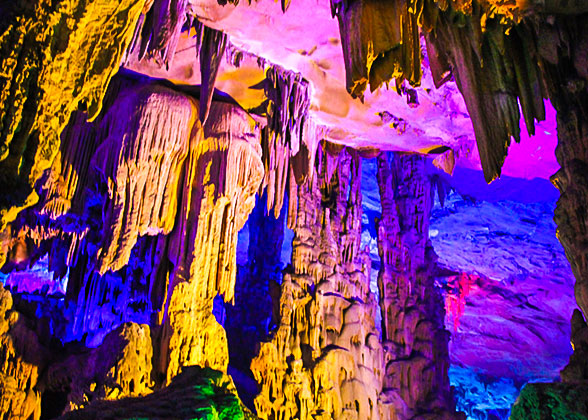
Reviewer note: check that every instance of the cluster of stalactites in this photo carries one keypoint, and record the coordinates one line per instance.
(496, 51)
(145, 218)
(287, 139)
(158, 32)
(414, 337)
(285, 149)
(325, 358)
(380, 41)
(496, 67)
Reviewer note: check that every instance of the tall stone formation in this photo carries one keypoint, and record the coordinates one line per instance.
(564, 55)
(223, 174)
(416, 383)
(324, 360)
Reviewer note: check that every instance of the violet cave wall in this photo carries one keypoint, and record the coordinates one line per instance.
(126, 178)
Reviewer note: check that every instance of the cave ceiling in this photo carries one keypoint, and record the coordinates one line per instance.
(306, 39)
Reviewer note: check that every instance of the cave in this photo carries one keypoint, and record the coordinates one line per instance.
(294, 210)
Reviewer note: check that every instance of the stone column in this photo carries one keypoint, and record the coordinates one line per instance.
(222, 175)
(415, 341)
(325, 358)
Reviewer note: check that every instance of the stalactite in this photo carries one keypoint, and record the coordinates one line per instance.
(485, 44)
(493, 70)
(325, 359)
(380, 41)
(288, 102)
(53, 59)
(223, 173)
(63, 187)
(158, 30)
(141, 161)
(210, 47)
(414, 336)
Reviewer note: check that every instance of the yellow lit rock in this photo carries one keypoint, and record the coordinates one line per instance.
(54, 56)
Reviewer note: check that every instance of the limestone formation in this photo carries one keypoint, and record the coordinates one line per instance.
(187, 397)
(141, 162)
(223, 173)
(133, 189)
(120, 367)
(51, 64)
(283, 139)
(22, 360)
(325, 358)
(414, 337)
(380, 42)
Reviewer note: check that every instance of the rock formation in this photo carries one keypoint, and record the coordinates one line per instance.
(119, 367)
(170, 196)
(52, 63)
(414, 337)
(23, 359)
(188, 396)
(325, 358)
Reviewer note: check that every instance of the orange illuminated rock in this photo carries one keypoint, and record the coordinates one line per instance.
(120, 367)
(21, 361)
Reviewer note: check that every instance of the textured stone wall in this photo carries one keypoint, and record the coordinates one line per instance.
(54, 57)
(143, 218)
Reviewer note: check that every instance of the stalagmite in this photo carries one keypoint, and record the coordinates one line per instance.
(120, 367)
(414, 337)
(189, 396)
(325, 359)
